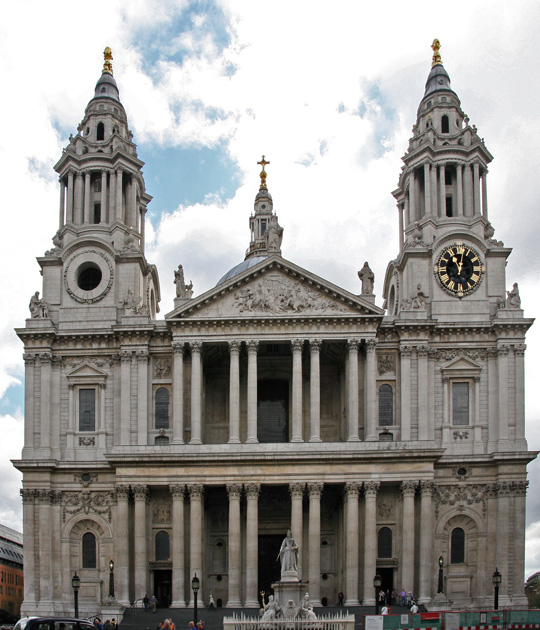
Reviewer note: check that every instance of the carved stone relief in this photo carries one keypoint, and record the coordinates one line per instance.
(161, 511)
(87, 502)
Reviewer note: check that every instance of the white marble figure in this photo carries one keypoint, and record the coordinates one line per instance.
(183, 290)
(288, 553)
(38, 308)
(306, 609)
(512, 297)
(272, 610)
(273, 234)
(367, 277)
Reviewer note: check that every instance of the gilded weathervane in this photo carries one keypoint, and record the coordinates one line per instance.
(263, 163)
(107, 55)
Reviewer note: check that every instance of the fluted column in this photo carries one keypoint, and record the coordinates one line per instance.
(519, 496)
(142, 229)
(87, 196)
(412, 196)
(177, 555)
(484, 194)
(519, 357)
(196, 533)
(427, 189)
(196, 386)
(400, 207)
(125, 396)
(234, 492)
(426, 548)
(315, 390)
(352, 490)
(28, 499)
(297, 527)
(121, 547)
(45, 539)
(252, 546)
(178, 391)
(371, 488)
(459, 188)
(70, 196)
(132, 220)
(442, 190)
(141, 554)
(29, 414)
(371, 390)
(252, 348)
(407, 213)
(142, 397)
(408, 489)
(61, 209)
(477, 208)
(502, 548)
(405, 352)
(45, 361)
(234, 392)
(502, 364)
(352, 346)
(468, 190)
(297, 345)
(118, 191)
(315, 491)
(78, 199)
(104, 209)
(423, 392)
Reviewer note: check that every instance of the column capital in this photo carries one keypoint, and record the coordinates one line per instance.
(234, 490)
(519, 488)
(28, 495)
(29, 359)
(125, 356)
(140, 492)
(296, 489)
(178, 347)
(352, 345)
(253, 490)
(315, 345)
(371, 488)
(196, 346)
(315, 489)
(408, 487)
(371, 344)
(427, 487)
(178, 491)
(142, 356)
(352, 488)
(45, 358)
(519, 349)
(297, 345)
(405, 351)
(503, 349)
(422, 351)
(252, 346)
(122, 492)
(234, 346)
(196, 490)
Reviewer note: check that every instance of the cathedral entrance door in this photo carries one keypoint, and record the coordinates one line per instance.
(269, 567)
(387, 577)
(273, 410)
(162, 587)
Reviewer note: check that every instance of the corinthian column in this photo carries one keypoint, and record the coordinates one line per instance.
(371, 488)
(28, 498)
(234, 393)
(178, 493)
(195, 531)
(352, 345)
(315, 491)
(104, 209)
(352, 490)
(297, 527)
(44, 540)
(252, 546)
(87, 195)
(119, 190)
(234, 491)
(125, 396)
(297, 345)
(408, 489)
(141, 558)
(427, 189)
(371, 390)
(252, 348)
(196, 385)
(315, 391)
(178, 392)
(405, 352)
(142, 397)
(426, 548)
(121, 548)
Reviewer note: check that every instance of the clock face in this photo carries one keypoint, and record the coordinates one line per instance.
(459, 269)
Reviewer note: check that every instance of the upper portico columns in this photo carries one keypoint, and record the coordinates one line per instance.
(297, 345)
(178, 391)
(252, 349)
(352, 345)
(315, 390)
(196, 387)
(234, 392)
(371, 390)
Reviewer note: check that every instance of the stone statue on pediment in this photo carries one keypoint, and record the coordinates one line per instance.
(183, 290)
(273, 235)
(512, 297)
(38, 307)
(367, 277)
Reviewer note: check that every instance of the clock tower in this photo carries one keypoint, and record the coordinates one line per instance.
(449, 266)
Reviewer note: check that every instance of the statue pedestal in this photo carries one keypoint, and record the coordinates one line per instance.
(440, 602)
(289, 588)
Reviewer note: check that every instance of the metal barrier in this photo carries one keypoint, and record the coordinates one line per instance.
(331, 622)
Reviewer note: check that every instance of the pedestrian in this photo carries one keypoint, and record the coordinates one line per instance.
(384, 610)
(211, 603)
(414, 608)
(98, 624)
(381, 598)
(145, 601)
(171, 624)
(108, 625)
(409, 599)
(403, 596)
(191, 625)
(114, 624)
(153, 603)
(340, 598)
(393, 597)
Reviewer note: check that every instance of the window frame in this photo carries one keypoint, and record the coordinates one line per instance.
(392, 386)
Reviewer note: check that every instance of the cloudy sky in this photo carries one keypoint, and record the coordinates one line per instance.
(328, 91)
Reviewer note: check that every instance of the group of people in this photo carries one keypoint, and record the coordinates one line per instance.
(391, 598)
(110, 624)
(150, 603)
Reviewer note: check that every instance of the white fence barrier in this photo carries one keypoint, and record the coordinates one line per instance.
(330, 622)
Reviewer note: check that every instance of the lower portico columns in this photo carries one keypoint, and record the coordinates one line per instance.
(234, 492)
(121, 527)
(297, 345)
(252, 348)
(196, 493)
(426, 548)
(297, 495)
(315, 391)
(44, 538)
(408, 489)
(234, 393)
(252, 548)
(196, 386)
(371, 488)
(28, 498)
(352, 345)
(315, 491)
(141, 560)
(352, 490)
(371, 391)
(178, 493)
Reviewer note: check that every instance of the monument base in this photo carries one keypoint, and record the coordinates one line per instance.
(289, 590)
(440, 602)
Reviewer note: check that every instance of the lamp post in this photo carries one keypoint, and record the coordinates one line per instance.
(75, 584)
(440, 585)
(496, 578)
(195, 585)
(377, 581)
(111, 579)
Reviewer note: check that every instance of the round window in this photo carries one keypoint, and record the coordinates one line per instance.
(89, 277)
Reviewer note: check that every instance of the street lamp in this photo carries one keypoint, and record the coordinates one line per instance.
(195, 585)
(111, 579)
(75, 584)
(377, 581)
(496, 578)
(440, 585)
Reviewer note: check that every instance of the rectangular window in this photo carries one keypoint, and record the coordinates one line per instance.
(449, 208)
(460, 404)
(87, 410)
(97, 213)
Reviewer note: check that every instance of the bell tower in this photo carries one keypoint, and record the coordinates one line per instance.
(449, 265)
(97, 264)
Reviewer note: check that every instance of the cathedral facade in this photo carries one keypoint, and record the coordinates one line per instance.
(391, 441)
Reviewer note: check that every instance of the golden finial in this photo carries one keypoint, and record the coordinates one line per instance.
(263, 163)
(107, 55)
(436, 56)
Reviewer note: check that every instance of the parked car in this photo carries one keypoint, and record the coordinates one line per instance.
(53, 623)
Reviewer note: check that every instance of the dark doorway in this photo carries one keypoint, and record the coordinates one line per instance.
(387, 577)
(273, 411)
(269, 567)
(162, 587)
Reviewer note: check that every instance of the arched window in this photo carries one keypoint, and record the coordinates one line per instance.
(445, 125)
(100, 131)
(457, 550)
(89, 555)
(386, 406)
(163, 551)
(162, 408)
(384, 543)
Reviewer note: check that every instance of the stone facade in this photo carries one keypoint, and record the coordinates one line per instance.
(383, 438)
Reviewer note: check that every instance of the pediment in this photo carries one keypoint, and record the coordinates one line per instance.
(87, 372)
(461, 364)
(275, 288)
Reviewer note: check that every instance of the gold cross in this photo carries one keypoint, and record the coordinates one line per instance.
(263, 163)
